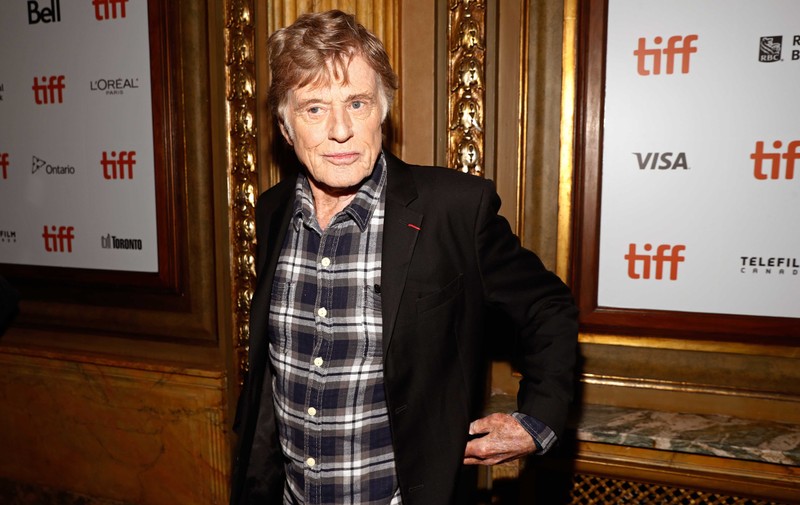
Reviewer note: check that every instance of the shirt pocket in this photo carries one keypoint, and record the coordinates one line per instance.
(370, 318)
(281, 308)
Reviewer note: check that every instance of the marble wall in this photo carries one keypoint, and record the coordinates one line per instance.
(114, 431)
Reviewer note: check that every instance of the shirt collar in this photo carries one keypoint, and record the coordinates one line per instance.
(360, 209)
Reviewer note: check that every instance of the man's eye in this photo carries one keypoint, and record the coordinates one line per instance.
(314, 110)
(358, 104)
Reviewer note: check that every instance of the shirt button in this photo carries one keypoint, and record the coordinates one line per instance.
(311, 462)
(326, 262)
(318, 361)
(312, 411)
(322, 312)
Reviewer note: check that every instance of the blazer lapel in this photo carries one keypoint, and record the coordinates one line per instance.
(401, 227)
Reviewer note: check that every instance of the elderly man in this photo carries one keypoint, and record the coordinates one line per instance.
(368, 324)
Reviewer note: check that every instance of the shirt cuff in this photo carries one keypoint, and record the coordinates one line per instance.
(543, 436)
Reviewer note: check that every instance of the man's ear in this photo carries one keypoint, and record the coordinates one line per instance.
(285, 133)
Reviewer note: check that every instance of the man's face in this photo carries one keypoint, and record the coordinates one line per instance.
(336, 130)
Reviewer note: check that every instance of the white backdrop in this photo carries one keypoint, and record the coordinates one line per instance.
(87, 64)
(711, 213)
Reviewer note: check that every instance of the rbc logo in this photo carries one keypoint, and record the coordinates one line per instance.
(664, 254)
(107, 9)
(50, 90)
(114, 166)
(58, 239)
(50, 14)
(4, 165)
(685, 50)
(774, 159)
(769, 50)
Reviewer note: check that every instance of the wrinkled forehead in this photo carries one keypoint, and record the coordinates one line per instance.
(352, 75)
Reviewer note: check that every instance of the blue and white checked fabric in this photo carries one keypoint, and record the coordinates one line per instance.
(325, 336)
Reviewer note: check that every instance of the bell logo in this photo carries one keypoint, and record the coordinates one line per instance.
(673, 49)
(114, 165)
(774, 159)
(4, 165)
(58, 239)
(664, 254)
(50, 14)
(50, 90)
(107, 9)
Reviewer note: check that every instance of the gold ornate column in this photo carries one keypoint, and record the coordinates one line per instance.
(466, 69)
(242, 175)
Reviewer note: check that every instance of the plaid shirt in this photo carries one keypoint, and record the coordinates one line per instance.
(325, 336)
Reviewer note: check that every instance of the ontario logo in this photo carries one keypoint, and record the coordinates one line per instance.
(40, 165)
(769, 265)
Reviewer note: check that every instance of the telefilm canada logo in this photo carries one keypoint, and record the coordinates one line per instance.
(115, 86)
(110, 241)
(39, 165)
(8, 237)
(769, 265)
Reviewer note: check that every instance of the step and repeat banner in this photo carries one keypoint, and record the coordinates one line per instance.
(77, 179)
(700, 204)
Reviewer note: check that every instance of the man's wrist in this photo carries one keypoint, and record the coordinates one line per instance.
(542, 435)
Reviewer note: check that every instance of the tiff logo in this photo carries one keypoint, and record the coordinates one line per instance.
(107, 9)
(774, 159)
(51, 90)
(4, 165)
(58, 239)
(114, 166)
(50, 14)
(671, 53)
(664, 254)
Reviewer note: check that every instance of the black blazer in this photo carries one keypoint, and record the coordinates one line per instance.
(447, 259)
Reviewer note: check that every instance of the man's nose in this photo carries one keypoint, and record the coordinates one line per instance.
(341, 125)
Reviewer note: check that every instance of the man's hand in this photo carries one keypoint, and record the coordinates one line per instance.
(504, 439)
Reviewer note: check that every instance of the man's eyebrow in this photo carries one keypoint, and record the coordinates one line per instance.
(360, 96)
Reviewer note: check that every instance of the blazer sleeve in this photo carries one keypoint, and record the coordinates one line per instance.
(542, 309)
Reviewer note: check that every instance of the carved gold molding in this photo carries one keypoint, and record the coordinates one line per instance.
(466, 69)
(566, 156)
(242, 176)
